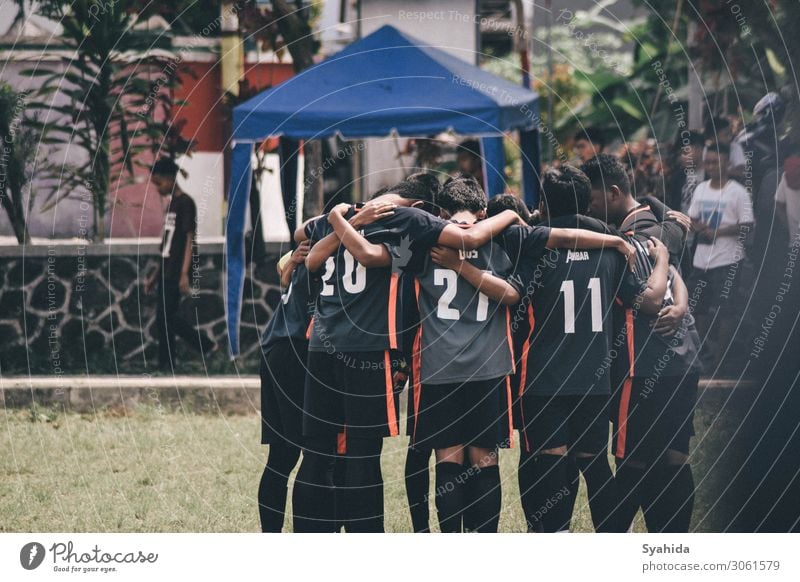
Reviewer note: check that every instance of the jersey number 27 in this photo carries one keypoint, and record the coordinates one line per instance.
(449, 279)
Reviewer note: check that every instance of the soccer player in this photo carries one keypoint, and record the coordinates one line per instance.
(284, 349)
(461, 359)
(566, 396)
(655, 374)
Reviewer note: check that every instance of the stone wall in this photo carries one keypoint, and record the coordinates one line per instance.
(82, 308)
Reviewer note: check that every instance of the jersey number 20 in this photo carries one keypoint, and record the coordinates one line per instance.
(354, 278)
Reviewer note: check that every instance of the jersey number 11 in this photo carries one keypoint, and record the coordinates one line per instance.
(568, 289)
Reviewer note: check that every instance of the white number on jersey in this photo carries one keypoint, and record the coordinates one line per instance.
(449, 279)
(354, 278)
(169, 232)
(568, 289)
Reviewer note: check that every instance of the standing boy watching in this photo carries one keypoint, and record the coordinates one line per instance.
(172, 275)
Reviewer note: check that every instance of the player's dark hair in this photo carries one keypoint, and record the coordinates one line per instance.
(471, 147)
(695, 138)
(715, 125)
(461, 192)
(165, 167)
(565, 191)
(420, 186)
(720, 148)
(605, 171)
(497, 204)
(591, 134)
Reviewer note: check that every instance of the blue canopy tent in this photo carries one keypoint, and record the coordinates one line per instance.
(387, 82)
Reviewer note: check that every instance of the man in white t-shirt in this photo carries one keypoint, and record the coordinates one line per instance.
(787, 198)
(722, 218)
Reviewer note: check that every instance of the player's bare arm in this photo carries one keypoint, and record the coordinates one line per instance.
(363, 251)
(286, 268)
(578, 238)
(651, 299)
(493, 287)
(670, 317)
(187, 262)
(478, 234)
(300, 233)
(320, 251)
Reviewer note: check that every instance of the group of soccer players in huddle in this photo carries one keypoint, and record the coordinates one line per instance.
(569, 331)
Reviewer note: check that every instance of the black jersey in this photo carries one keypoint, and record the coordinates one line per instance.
(357, 307)
(180, 220)
(639, 351)
(573, 326)
(293, 313)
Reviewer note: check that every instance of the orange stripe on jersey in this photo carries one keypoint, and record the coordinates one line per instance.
(622, 422)
(391, 415)
(625, 397)
(308, 329)
(393, 284)
(510, 413)
(635, 211)
(341, 442)
(526, 347)
(523, 376)
(510, 341)
(416, 383)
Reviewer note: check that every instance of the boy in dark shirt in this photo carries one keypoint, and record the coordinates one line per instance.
(177, 248)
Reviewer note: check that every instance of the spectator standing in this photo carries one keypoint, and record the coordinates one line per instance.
(722, 217)
(588, 143)
(178, 247)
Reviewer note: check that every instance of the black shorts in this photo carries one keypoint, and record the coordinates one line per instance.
(578, 422)
(350, 392)
(652, 415)
(283, 378)
(469, 414)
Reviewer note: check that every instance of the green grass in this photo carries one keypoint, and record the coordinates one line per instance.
(153, 470)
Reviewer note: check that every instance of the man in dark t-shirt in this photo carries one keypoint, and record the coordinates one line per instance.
(172, 275)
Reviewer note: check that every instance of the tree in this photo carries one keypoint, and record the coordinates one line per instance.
(18, 143)
(111, 103)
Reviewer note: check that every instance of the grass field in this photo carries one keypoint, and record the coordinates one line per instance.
(152, 470)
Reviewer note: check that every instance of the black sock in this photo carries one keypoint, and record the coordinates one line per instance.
(313, 502)
(272, 488)
(483, 505)
(551, 492)
(469, 519)
(364, 485)
(340, 493)
(418, 483)
(630, 482)
(670, 499)
(526, 480)
(602, 492)
(449, 496)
